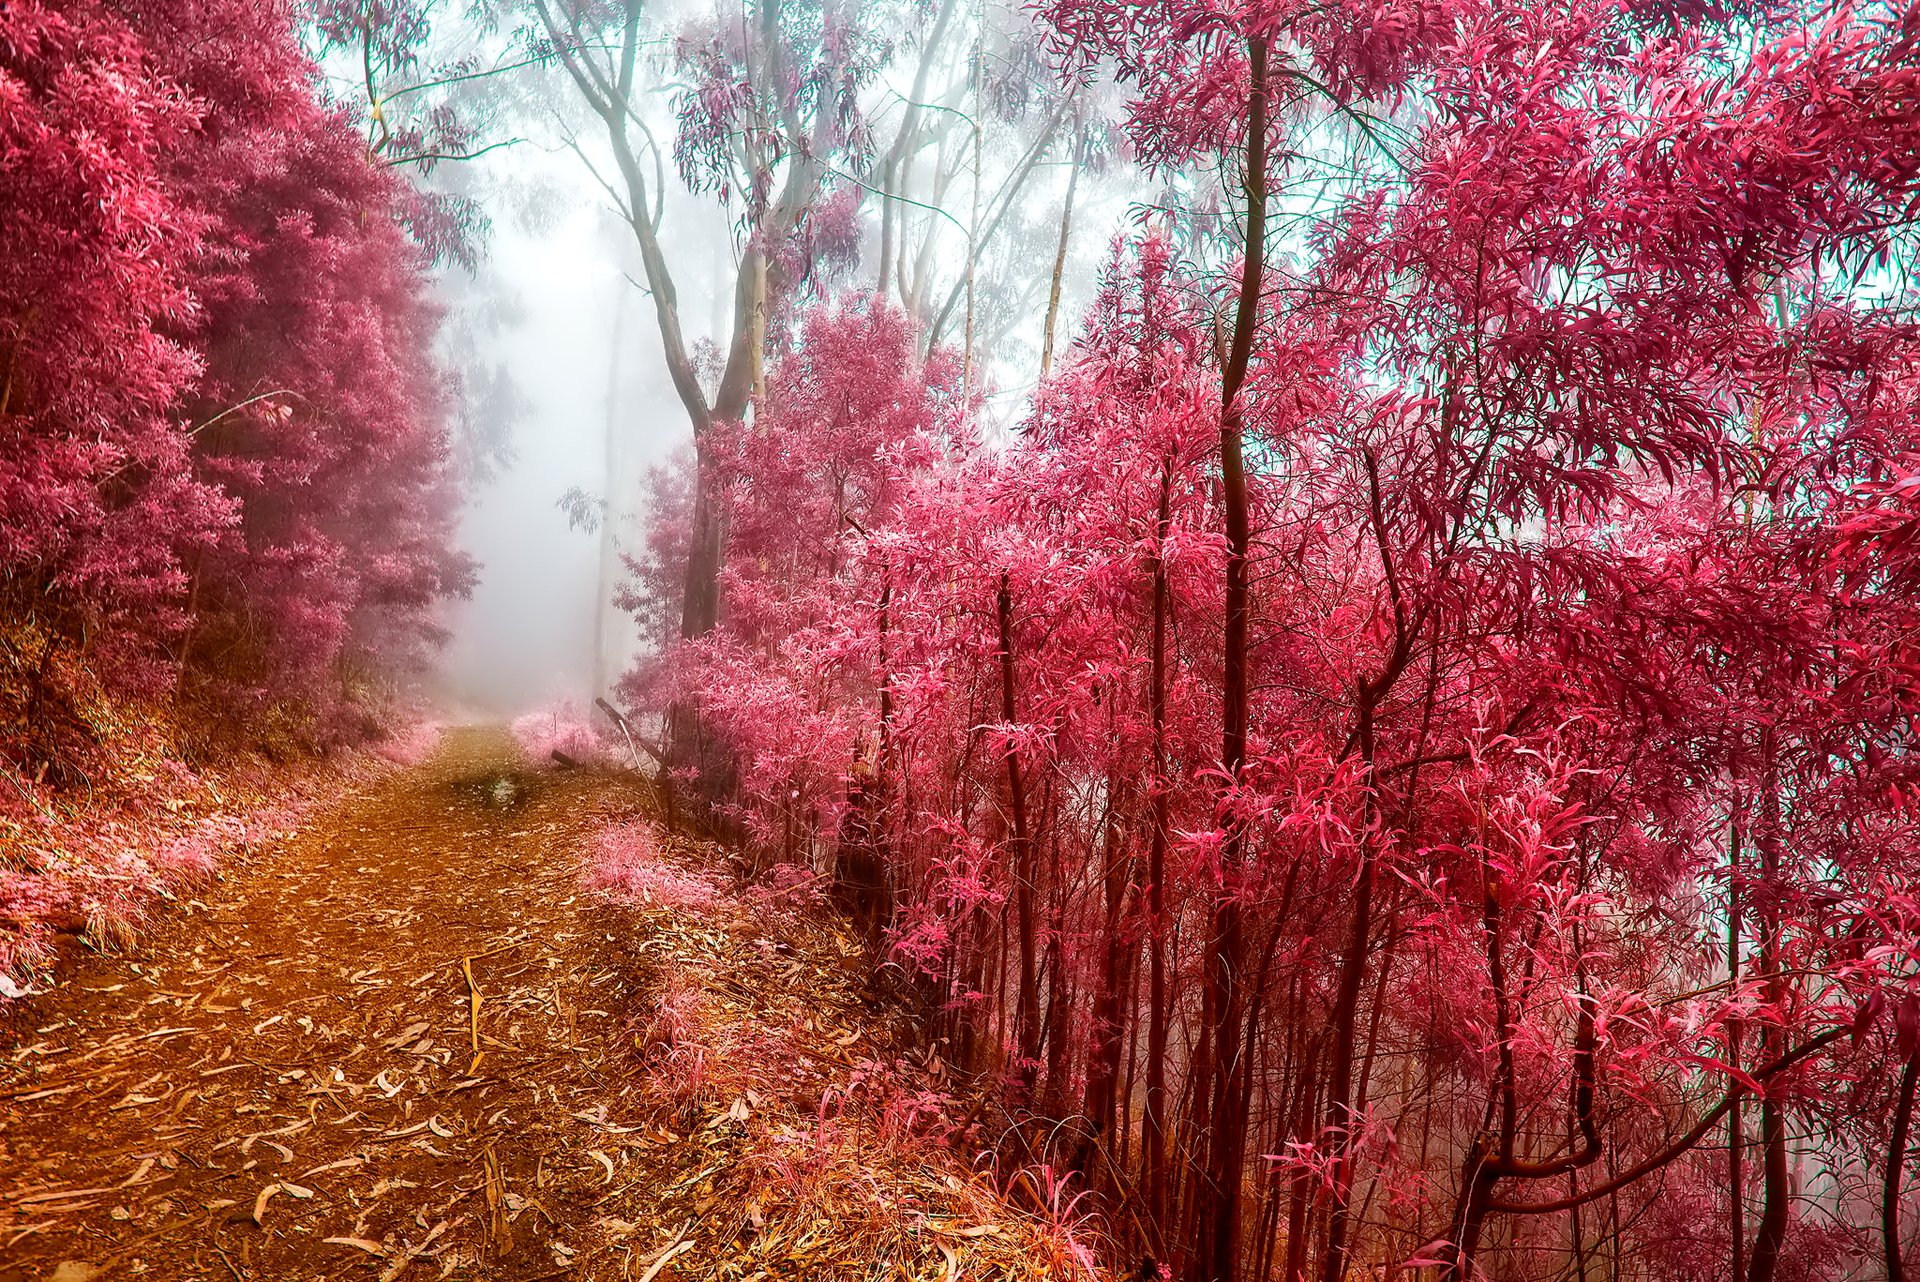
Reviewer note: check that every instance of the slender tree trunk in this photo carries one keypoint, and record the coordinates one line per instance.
(1896, 1162)
(1059, 994)
(904, 138)
(973, 238)
(611, 485)
(1774, 1195)
(1340, 1117)
(1060, 251)
(1300, 1183)
(1221, 1183)
(1736, 1126)
(1153, 1123)
(1103, 1058)
(1028, 1019)
(701, 606)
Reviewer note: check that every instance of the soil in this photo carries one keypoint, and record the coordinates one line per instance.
(391, 1044)
(409, 1041)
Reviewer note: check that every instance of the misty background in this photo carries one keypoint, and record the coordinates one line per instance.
(556, 331)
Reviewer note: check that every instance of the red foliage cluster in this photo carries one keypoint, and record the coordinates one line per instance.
(1545, 828)
(223, 486)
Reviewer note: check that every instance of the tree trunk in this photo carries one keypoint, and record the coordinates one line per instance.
(1736, 1127)
(1775, 1193)
(1103, 1057)
(700, 605)
(1153, 1124)
(1220, 1185)
(1896, 1161)
(904, 138)
(1060, 251)
(611, 486)
(1028, 1021)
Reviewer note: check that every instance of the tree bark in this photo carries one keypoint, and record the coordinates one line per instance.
(1028, 1021)
(1103, 1056)
(1153, 1123)
(1736, 1127)
(1896, 1162)
(1060, 250)
(1220, 1185)
(1774, 1192)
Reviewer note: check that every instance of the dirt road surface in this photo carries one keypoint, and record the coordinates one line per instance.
(386, 1046)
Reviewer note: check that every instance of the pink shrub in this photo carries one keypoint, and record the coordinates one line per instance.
(413, 743)
(788, 885)
(626, 865)
(191, 855)
(558, 727)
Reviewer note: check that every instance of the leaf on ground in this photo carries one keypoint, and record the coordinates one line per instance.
(75, 1271)
(357, 1243)
(412, 1031)
(665, 1258)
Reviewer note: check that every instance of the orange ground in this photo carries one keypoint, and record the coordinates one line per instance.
(406, 1042)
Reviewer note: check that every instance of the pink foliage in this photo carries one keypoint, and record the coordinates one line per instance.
(559, 727)
(626, 863)
(102, 872)
(1564, 458)
(223, 458)
(412, 743)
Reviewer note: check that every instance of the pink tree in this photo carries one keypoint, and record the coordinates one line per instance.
(226, 447)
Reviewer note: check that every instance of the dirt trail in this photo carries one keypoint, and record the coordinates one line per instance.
(406, 1044)
(293, 1058)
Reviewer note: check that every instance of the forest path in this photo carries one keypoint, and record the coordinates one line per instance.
(292, 1059)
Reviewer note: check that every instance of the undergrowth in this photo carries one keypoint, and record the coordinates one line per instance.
(92, 854)
(764, 1046)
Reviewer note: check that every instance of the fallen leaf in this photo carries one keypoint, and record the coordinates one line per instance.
(357, 1243)
(412, 1031)
(666, 1258)
(60, 1195)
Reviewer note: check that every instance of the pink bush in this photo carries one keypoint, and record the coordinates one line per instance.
(558, 727)
(788, 886)
(413, 743)
(627, 865)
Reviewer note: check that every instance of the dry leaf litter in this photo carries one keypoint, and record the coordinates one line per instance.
(413, 1042)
